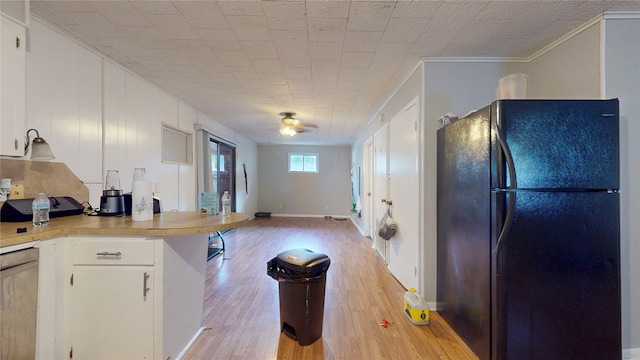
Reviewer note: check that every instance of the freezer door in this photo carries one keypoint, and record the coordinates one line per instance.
(557, 144)
(463, 269)
(557, 293)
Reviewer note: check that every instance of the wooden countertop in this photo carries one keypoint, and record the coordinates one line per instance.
(163, 224)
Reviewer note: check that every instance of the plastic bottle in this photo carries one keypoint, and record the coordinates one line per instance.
(40, 208)
(416, 309)
(226, 204)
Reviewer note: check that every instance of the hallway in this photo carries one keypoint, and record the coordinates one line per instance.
(241, 313)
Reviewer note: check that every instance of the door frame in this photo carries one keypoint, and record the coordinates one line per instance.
(380, 245)
(369, 218)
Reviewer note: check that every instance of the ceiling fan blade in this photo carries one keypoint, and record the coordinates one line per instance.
(291, 126)
(313, 126)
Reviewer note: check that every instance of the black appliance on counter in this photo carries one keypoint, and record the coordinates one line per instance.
(111, 203)
(19, 210)
(112, 199)
(528, 229)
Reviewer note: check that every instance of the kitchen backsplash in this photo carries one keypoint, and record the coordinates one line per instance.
(52, 178)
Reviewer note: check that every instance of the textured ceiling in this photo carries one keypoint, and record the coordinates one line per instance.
(334, 63)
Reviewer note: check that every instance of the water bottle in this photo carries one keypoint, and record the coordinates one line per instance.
(40, 208)
(226, 204)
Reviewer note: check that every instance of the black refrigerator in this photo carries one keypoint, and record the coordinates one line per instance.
(528, 259)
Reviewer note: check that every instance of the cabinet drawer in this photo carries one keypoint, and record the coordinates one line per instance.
(113, 252)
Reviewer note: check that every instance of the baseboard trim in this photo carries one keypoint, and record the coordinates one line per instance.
(311, 216)
(631, 354)
(193, 340)
(353, 221)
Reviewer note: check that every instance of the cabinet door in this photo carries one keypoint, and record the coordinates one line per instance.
(19, 294)
(112, 312)
(13, 88)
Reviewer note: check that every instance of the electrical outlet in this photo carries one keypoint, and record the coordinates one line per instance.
(17, 191)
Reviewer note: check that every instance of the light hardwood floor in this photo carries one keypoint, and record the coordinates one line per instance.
(241, 305)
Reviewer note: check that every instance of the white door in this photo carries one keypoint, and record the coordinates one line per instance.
(381, 189)
(403, 192)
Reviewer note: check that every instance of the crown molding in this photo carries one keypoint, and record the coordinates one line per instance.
(621, 15)
(474, 59)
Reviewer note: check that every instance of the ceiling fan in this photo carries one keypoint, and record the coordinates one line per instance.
(291, 126)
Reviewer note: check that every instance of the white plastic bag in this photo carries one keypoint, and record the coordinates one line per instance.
(388, 226)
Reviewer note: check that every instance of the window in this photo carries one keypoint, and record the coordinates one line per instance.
(303, 162)
(177, 146)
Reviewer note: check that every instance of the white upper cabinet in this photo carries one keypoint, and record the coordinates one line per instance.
(12, 88)
(17, 10)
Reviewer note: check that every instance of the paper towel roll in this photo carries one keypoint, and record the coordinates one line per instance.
(141, 201)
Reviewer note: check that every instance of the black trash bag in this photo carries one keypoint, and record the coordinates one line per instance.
(298, 265)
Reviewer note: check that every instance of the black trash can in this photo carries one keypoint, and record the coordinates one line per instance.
(302, 275)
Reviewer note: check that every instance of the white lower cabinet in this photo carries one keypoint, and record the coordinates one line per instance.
(128, 297)
(112, 299)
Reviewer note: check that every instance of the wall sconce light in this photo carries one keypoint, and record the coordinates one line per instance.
(40, 150)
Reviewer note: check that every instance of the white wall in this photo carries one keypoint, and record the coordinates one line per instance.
(568, 71)
(408, 90)
(64, 102)
(246, 194)
(133, 113)
(622, 81)
(327, 192)
(98, 116)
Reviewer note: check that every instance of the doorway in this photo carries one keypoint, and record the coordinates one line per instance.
(216, 171)
(223, 169)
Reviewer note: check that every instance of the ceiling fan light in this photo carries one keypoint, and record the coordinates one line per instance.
(287, 130)
(288, 120)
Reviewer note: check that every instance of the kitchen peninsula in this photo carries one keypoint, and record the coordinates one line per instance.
(113, 288)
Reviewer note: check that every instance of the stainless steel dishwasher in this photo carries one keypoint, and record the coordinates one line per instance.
(18, 303)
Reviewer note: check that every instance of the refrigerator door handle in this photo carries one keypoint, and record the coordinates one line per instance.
(511, 196)
(508, 220)
(513, 183)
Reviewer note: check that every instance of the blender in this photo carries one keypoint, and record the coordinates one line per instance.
(112, 199)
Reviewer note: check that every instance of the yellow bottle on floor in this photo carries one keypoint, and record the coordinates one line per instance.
(416, 308)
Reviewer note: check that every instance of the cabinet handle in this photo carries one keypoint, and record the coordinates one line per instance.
(106, 253)
(17, 42)
(145, 289)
